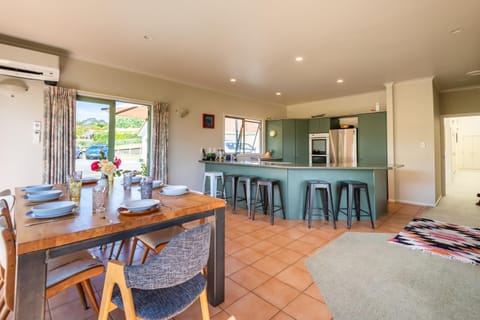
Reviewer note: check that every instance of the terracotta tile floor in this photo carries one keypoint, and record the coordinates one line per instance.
(265, 273)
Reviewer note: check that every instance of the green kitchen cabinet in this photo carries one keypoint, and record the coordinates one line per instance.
(274, 143)
(372, 138)
(291, 140)
(319, 125)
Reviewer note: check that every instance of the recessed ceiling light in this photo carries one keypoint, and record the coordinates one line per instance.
(298, 59)
(233, 80)
(147, 37)
(456, 30)
(474, 73)
(339, 80)
(278, 93)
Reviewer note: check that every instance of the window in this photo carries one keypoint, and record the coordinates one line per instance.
(242, 135)
(119, 129)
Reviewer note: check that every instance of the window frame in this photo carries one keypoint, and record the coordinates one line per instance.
(241, 139)
(111, 102)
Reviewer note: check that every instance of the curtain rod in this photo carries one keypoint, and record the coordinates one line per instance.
(111, 97)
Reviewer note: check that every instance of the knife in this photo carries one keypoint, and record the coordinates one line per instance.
(46, 221)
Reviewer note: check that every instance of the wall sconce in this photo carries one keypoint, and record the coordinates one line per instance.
(272, 133)
(12, 87)
(181, 112)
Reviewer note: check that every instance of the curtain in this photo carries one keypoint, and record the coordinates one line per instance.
(159, 137)
(59, 134)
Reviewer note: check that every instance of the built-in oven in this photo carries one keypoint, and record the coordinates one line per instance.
(318, 148)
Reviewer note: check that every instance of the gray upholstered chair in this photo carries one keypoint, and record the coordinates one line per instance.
(165, 285)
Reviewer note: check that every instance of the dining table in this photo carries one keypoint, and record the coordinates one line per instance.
(39, 240)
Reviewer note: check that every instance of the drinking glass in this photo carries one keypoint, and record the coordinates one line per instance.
(75, 189)
(77, 174)
(99, 194)
(146, 188)
(127, 180)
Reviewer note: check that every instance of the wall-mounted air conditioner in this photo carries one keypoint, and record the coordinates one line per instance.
(29, 64)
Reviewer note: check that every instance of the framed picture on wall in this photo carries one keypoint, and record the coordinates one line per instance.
(208, 121)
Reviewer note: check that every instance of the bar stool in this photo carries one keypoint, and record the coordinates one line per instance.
(233, 178)
(325, 190)
(353, 198)
(268, 186)
(246, 182)
(214, 176)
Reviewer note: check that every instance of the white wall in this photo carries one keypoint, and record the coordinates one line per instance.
(21, 159)
(414, 121)
(354, 104)
(23, 165)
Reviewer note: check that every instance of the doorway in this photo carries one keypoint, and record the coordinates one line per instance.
(462, 156)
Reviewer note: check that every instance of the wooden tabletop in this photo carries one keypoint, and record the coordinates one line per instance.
(87, 225)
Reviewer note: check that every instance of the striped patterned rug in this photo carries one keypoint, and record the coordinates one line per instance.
(447, 240)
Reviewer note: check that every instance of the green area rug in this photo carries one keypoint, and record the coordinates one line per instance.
(362, 276)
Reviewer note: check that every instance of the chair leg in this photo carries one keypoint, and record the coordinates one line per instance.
(349, 206)
(339, 199)
(4, 313)
(115, 275)
(110, 255)
(122, 244)
(145, 255)
(247, 197)
(329, 190)
(87, 286)
(305, 203)
(280, 196)
(2, 303)
(204, 305)
(324, 199)
(81, 294)
(255, 203)
(311, 199)
(356, 198)
(271, 203)
(132, 250)
(369, 208)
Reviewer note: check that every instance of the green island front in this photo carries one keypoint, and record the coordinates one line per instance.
(293, 178)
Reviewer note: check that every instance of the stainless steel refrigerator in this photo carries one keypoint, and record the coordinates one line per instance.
(343, 146)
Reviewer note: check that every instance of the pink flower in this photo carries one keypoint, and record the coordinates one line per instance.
(95, 166)
(117, 162)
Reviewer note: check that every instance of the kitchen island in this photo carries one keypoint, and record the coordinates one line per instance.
(293, 179)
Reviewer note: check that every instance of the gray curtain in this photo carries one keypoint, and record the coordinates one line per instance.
(159, 136)
(59, 134)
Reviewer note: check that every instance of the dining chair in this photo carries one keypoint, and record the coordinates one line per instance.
(63, 272)
(165, 285)
(154, 241)
(10, 200)
(5, 222)
(5, 217)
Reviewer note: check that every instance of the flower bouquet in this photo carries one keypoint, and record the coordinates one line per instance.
(107, 168)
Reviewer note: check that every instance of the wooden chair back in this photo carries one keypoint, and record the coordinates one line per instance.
(5, 217)
(8, 263)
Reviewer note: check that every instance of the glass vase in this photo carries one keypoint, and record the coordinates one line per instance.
(110, 183)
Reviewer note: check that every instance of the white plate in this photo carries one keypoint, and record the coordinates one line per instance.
(89, 180)
(140, 205)
(156, 184)
(44, 195)
(174, 190)
(36, 188)
(53, 208)
(31, 214)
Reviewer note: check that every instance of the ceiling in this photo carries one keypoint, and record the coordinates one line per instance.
(205, 43)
